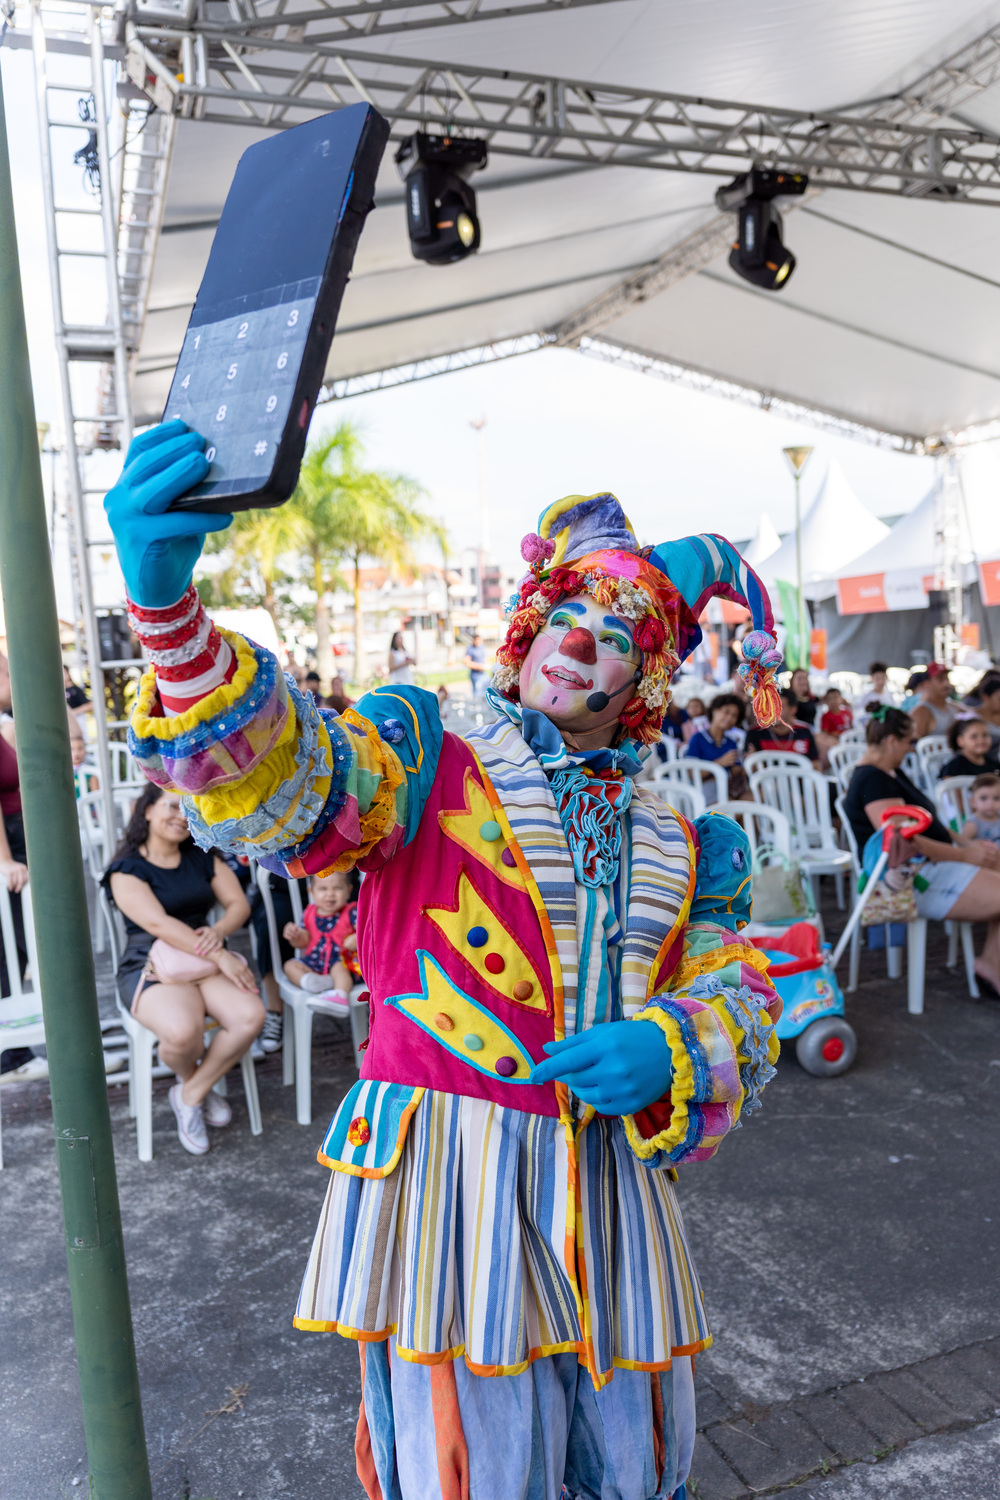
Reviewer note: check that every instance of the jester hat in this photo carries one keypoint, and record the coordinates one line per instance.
(586, 545)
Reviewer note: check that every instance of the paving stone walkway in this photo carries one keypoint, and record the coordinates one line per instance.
(766, 1450)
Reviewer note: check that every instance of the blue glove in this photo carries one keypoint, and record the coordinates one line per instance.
(158, 551)
(618, 1067)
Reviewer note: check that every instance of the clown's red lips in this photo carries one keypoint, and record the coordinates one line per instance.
(566, 677)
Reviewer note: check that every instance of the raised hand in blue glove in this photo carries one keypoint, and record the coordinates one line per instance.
(618, 1067)
(158, 551)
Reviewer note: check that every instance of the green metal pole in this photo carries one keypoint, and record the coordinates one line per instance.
(102, 1318)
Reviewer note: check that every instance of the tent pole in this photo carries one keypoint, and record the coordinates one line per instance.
(102, 1319)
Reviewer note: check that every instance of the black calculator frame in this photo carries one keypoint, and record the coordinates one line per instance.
(284, 475)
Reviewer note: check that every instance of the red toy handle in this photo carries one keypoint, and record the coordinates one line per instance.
(920, 821)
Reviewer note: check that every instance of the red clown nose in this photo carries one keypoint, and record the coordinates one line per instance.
(580, 645)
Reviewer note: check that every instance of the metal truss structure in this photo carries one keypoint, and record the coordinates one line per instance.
(363, 20)
(425, 369)
(222, 71)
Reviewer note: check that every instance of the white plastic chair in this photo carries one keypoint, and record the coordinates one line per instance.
(689, 801)
(915, 771)
(762, 825)
(763, 760)
(854, 736)
(766, 829)
(932, 754)
(21, 1023)
(843, 759)
(804, 798)
(697, 773)
(297, 1038)
(141, 1043)
(952, 798)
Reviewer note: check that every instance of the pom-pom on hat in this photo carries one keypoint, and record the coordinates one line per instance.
(586, 544)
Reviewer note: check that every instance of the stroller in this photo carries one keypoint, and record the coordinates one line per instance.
(813, 1015)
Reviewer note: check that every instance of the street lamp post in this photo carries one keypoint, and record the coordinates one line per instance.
(484, 512)
(797, 460)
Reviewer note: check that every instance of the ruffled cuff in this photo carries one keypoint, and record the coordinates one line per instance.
(223, 738)
(723, 1048)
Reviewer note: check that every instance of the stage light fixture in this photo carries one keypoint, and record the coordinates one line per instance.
(759, 254)
(440, 205)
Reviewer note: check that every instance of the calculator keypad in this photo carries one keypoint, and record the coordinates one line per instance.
(234, 384)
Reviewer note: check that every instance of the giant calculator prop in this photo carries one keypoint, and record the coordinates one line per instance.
(256, 346)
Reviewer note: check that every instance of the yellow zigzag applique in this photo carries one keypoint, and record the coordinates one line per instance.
(475, 828)
(479, 936)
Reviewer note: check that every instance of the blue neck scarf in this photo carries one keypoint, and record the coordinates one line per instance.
(589, 806)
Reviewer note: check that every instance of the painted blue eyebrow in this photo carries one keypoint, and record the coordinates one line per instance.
(613, 623)
(577, 609)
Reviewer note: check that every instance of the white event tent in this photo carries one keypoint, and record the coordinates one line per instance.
(835, 525)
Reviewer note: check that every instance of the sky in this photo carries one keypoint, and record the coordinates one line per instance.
(557, 423)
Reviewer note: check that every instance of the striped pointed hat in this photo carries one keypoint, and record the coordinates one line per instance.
(586, 545)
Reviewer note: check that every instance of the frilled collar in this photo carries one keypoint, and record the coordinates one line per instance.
(543, 738)
(592, 789)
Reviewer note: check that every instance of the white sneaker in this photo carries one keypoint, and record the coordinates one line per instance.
(314, 984)
(32, 1071)
(274, 1030)
(332, 1003)
(216, 1110)
(190, 1123)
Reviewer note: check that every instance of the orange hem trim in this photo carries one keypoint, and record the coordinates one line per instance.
(308, 1325)
(544, 1351)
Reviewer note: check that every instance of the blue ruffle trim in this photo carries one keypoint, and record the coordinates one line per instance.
(246, 833)
(701, 1073)
(235, 718)
(744, 1008)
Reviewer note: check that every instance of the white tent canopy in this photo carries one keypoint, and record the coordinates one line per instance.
(765, 541)
(832, 528)
(898, 570)
(892, 318)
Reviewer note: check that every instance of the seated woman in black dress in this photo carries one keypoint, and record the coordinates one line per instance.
(164, 886)
(963, 880)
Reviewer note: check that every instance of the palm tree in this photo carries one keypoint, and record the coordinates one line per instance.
(254, 547)
(338, 512)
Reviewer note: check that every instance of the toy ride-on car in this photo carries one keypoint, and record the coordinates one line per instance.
(813, 1002)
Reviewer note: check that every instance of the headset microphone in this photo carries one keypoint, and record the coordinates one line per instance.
(598, 701)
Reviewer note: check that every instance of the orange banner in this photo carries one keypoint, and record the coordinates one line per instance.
(864, 595)
(817, 649)
(989, 581)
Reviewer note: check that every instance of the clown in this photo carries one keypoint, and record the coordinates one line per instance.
(562, 1007)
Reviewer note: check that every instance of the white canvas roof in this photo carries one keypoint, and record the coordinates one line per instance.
(892, 318)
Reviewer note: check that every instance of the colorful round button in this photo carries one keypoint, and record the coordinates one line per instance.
(473, 1042)
(506, 1066)
(490, 831)
(359, 1131)
(507, 858)
(523, 989)
(476, 937)
(444, 1022)
(494, 963)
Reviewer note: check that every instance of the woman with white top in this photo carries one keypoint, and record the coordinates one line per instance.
(400, 662)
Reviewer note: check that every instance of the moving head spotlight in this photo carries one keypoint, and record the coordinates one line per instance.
(758, 254)
(440, 205)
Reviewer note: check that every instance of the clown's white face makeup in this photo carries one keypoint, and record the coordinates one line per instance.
(583, 652)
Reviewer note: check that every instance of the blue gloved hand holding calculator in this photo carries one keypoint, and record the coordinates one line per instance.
(158, 548)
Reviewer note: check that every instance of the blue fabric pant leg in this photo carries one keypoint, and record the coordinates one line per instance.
(442, 1433)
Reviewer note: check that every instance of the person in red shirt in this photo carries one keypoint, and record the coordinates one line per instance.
(786, 733)
(836, 715)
